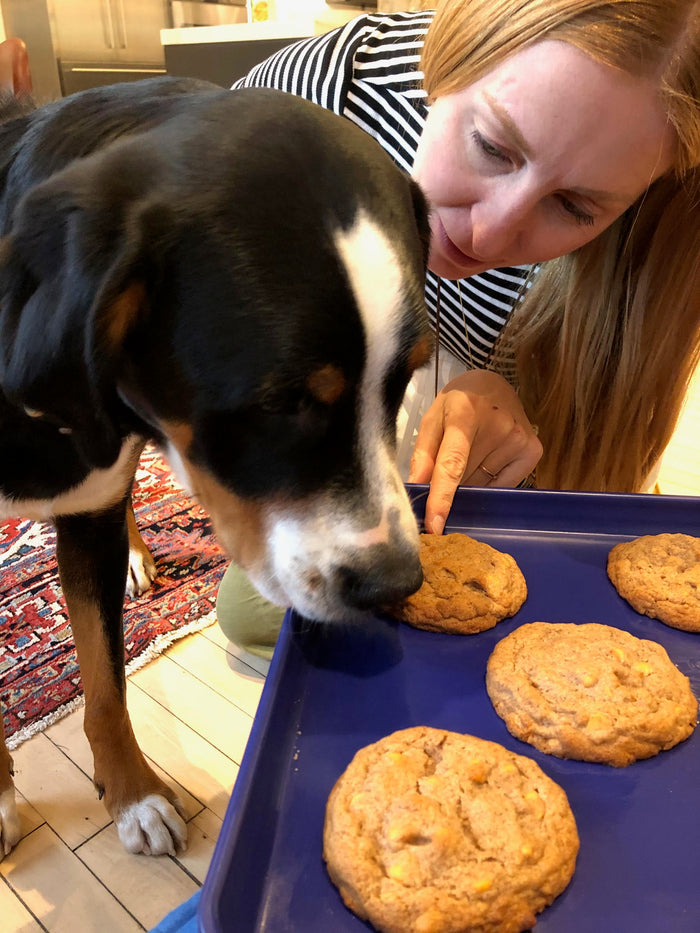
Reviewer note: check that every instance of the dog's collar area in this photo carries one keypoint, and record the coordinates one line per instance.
(35, 413)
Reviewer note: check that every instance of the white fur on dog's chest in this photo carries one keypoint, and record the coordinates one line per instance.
(99, 489)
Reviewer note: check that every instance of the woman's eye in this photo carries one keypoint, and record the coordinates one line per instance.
(488, 148)
(579, 215)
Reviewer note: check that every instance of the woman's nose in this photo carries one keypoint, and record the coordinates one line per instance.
(500, 227)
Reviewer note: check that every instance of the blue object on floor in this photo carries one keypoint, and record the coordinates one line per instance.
(181, 920)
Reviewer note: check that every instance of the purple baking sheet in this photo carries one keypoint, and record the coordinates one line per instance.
(332, 690)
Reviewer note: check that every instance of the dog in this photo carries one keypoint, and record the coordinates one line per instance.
(238, 277)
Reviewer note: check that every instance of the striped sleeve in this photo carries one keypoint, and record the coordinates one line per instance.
(319, 69)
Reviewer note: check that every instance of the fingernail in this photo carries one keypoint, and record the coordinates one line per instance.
(438, 524)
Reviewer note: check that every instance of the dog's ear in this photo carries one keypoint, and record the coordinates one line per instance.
(422, 214)
(72, 286)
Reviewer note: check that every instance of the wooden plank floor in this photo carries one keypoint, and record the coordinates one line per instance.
(192, 710)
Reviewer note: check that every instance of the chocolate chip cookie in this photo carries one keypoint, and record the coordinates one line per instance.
(659, 576)
(429, 831)
(590, 692)
(468, 586)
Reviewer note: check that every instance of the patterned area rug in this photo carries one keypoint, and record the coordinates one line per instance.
(39, 676)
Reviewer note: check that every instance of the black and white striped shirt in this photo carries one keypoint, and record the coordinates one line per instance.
(368, 72)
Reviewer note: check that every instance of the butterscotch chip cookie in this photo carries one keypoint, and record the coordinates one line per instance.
(659, 575)
(468, 586)
(428, 831)
(589, 692)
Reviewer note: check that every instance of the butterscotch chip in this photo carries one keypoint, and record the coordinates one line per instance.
(455, 834)
(659, 575)
(590, 692)
(468, 586)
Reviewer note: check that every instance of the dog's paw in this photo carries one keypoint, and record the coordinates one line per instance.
(142, 571)
(9, 822)
(153, 826)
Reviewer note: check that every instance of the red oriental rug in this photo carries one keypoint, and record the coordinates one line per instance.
(39, 675)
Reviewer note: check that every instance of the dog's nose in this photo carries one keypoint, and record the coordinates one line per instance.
(383, 575)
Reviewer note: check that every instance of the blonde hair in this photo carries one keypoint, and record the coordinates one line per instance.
(607, 338)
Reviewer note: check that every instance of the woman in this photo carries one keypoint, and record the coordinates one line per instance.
(559, 135)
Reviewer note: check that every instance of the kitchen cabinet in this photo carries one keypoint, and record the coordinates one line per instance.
(74, 44)
(116, 30)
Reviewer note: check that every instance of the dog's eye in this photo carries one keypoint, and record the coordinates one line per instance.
(289, 404)
(320, 391)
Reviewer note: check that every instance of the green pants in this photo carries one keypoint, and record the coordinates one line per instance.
(246, 618)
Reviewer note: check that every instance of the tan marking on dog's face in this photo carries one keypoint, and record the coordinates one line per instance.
(238, 523)
(122, 313)
(181, 436)
(421, 353)
(327, 384)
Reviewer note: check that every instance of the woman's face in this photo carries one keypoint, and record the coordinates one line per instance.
(537, 158)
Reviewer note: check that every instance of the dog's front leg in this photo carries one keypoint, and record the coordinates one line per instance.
(92, 554)
(9, 820)
(142, 567)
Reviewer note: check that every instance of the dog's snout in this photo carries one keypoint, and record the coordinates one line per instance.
(383, 576)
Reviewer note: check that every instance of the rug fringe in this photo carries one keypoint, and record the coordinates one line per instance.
(15, 740)
(156, 648)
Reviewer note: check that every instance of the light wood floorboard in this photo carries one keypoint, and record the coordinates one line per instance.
(192, 710)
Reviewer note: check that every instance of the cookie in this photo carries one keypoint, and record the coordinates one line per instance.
(468, 586)
(589, 692)
(659, 575)
(429, 831)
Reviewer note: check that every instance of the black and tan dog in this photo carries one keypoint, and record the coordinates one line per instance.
(238, 276)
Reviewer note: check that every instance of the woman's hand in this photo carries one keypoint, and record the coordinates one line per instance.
(475, 433)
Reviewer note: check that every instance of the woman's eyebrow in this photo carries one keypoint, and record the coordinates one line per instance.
(506, 121)
(604, 196)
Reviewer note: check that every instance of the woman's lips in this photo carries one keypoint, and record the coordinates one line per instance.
(453, 254)
(451, 251)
